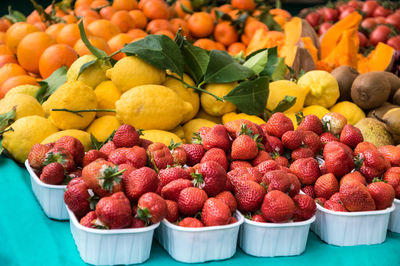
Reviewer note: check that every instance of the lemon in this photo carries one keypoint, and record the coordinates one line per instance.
(152, 107)
(132, 71)
(234, 116)
(74, 95)
(27, 131)
(187, 94)
(103, 127)
(213, 106)
(202, 114)
(107, 94)
(193, 126)
(179, 131)
(350, 110)
(292, 117)
(317, 110)
(160, 136)
(323, 86)
(24, 89)
(82, 136)
(26, 105)
(93, 75)
(281, 88)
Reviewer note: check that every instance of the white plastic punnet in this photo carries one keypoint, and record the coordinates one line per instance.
(394, 222)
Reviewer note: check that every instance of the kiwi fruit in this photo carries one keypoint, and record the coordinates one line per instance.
(370, 90)
(396, 97)
(393, 80)
(375, 132)
(345, 75)
(392, 120)
(380, 111)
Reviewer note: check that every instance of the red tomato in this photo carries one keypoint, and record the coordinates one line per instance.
(369, 7)
(368, 23)
(355, 4)
(380, 11)
(324, 27)
(394, 42)
(313, 18)
(347, 12)
(394, 19)
(342, 8)
(380, 20)
(330, 14)
(379, 34)
(363, 39)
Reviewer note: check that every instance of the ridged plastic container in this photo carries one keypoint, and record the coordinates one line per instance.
(110, 247)
(274, 239)
(50, 197)
(394, 222)
(195, 245)
(351, 228)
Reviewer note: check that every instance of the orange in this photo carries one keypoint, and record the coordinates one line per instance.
(245, 39)
(200, 24)
(86, 21)
(280, 12)
(10, 70)
(99, 3)
(225, 33)
(178, 7)
(166, 33)
(107, 12)
(117, 42)
(59, 12)
(33, 17)
(54, 57)
(2, 37)
(98, 42)
(137, 33)
(251, 26)
(206, 44)
(219, 46)
(234, 14)
(79, 3)
(86, 12)
(4, 50)
(16, 81)
(69, 19)
(6, 58)
(104, 29)
(69, 34)
(225, 8)
(125, 4)
(139, 18)
(236, 48)
(157, 25)
(123, 20)
(31, 48)
(243, 4)
(55, 29)
(4, 24)
(40, 25)
(155, 9)
(178, 23)
(16, 33)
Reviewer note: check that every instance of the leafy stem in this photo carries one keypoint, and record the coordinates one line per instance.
(77, 112)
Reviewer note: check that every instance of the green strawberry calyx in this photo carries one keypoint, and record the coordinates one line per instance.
(197, 139)
(198, 180)
(299, 117)
(172, 146)
(109, 176)
(99, 225)
(358, 162)
(143, 214)
(55, 157)
(244, 130)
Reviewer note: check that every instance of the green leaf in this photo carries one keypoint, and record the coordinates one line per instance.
(268, 20)
(51, 84)
(185, 9)
(257, 62)
(285, 104)
(250, 96)
(276, 67)
(195, 60)
(7, 118)
(158, 50)
(86, 66)
(95, 143)
(94, 50)
(15, 16)
(222, 68)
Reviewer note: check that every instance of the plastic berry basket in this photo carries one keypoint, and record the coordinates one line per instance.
(394, 222)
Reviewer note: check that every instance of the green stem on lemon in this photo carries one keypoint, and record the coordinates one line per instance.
(77, 112)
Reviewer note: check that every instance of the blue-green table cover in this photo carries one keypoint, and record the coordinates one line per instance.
(28, 237)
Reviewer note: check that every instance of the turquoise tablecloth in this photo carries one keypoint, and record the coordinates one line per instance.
(28, 237)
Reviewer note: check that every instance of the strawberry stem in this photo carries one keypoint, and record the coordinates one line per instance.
(144, 215)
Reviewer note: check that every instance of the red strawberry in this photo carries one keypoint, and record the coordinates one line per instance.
(172, 211)
(267, 166)
(309, 190)
(210, 177)
(258, 218)
(326, 186)
(37, 155)
(374, 164)
(239, 164)
(363, 146)
(277, 207)
(173, 173)
(159, 156)
(334, 122)
(244, 174)
(306, 169)
(278, 124)
(77, 197)
(178, 153)
(277, 180)
(339, 159)
(217, 137)
(305, 207)
(302, 153)
(108, 148)
(91, 156)
(126, 136)
(320, 201)
(62, 156)
(354, 176)
(75, 174)
(139, 182)
(119, 156)
(75, 181)
(144, 143)
(244, 147)
(274, 144)
(194, 153)
(215, 212)
(351, 136)
(229, 199)
(136, 156)
(191, 200)
(336, 197)
(174, 188)
(391, 153)
(190, 222)
(128, 170)
(240, 126)
(73, 145)
(249, 195)
(355, 197)
(392, 177)
(232, 220)
(151, 208)
(89, 220)
(382, 193)
(292, 139)
(114, 211)
(52, 174)
(282, 161)
(327, 137)
(217, 155)
(312, 141)
(334, 206)
(262, 156)
(311, 123)
(137, 223)
(295, 185)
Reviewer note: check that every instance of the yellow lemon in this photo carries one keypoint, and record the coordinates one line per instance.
(103, 127)
(179, 131)
(107, 94)
(131, 71)
(26, 105)
(193, 126)
(26, 132)
(234, 116)
(213, 106)
(292, 117)
(160, 136)
(202, 114)
(317, 110)
(24, 89)
(281, 88)
(350, 110)
(82, 136)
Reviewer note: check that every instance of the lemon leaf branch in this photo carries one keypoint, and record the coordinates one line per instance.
(77, 112)
(94, 50)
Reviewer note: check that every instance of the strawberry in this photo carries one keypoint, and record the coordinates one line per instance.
(267, 166)
(336, 197)
(119, 155)
(172, 173)
(126, 136)
(244, 174)
(174, 188)
(62, 156)
(354, 176)
(274, 144)
(91, 156)
(320, 201)
(249, 195)
(391, 153)
(229, 200)
(217, 137)
(232, 220)
(178, 153)
(136, 156)
(356, 197)
(37, 155)
(334, 206)
(258, 218)
(382, 193)
(392, 177)
(72, 175)
(89, 220)
(237, 127)
(75, 181)
(363, 146)
(73, 145)
(139, 182)
(190, 222)
(217, 155)
(215, 212)
(326, 186)
(108, 148)
(277, 207)
(244, 147)
(210, 177)
(276, 180)
(351, 136)
(282, 161)
(278, 124)
(327, 137)
(114, 211)
(52, 174)
(306, 169)
(309, 190)
(151, 208)
(240, 164)
(194, 153)
(334, 122)
(311, 123)
(159, 156)
(339, 159)
(128, 170)
(374, 164)
(312, 141)
(295, 184)
(262, 156)
(302, 153)
(292, 140)
(198, 136)
(305, 207)
(77, 198)
(172, 211)
(144, 143)
(137, 223)
(191, 200)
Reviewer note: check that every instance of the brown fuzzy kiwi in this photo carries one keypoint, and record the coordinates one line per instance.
(345, 75)
(381, 110)
(394, 82)
(303, 61)
(396, 97)
(370, 90)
